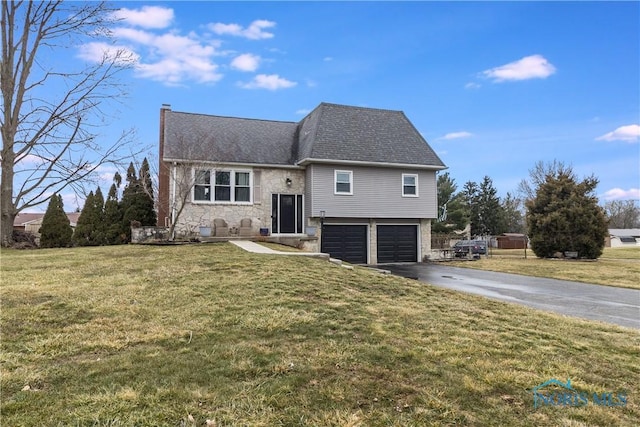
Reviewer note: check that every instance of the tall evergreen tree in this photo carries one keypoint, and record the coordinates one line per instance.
(137, 203)
(82, 233)
(90, 228)
(113, 216)
(99, 226)
(451, 211)
(491, 212)
(565, 216)
(513, 218)
(56, 230)
(150, 217)
(471, 197)
(483, 207)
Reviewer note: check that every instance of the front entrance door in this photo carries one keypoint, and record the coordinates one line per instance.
(286, 213)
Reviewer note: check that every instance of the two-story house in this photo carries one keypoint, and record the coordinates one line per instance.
(362, 179)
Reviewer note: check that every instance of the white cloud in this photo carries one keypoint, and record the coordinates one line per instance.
(100, 51)
(529, 67)
(146, 17)
(161, 53)
(472, 85)
(169, 58)
(270, 82)
(328, 59)
(303, 111)
(30, 159)
(629, 133)
(457, 135)
(137, 36)
(246, 62)
(620, 194)
(72, 202)
(255, 30)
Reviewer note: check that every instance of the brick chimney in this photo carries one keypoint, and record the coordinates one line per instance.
(164, 210)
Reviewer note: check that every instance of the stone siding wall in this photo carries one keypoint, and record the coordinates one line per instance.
(196, 214)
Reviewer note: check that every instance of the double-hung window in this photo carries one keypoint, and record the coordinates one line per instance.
(226, 186)
(223, 186)
(343, 182)
(202, 185)
(409, 185)
(242, 187)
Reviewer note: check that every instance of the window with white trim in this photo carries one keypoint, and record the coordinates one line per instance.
(409, 185)
(242, 189)
(230, 186)
(343, 182)
(223, 186)
(202, 185)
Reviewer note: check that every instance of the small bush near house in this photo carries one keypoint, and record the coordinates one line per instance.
(23, 240)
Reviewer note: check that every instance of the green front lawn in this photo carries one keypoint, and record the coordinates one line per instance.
(160, 336)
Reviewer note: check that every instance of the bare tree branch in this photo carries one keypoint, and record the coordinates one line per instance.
(50, 136)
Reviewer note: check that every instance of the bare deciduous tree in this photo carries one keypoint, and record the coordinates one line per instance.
(623, 213)
(51, 113)
(184, 174)
(538, 175)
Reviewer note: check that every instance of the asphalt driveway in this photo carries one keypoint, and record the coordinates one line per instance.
(595, 302)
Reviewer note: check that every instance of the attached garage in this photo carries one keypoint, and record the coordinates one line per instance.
(397, 243)
(345, 242)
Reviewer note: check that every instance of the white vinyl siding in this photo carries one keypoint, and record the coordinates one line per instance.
(376, 193)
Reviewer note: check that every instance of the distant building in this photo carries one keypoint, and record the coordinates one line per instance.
(512, 241)
(620, 237)
(31, 222)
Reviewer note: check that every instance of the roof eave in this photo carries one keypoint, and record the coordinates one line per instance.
(310, 160)
(241, 164)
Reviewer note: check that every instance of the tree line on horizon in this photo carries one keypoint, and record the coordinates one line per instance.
(103, 222)
(556, 210)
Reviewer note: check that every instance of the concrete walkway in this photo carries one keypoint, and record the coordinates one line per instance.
(257, 248)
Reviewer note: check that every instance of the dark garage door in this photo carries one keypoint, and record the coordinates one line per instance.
(345, 242)
(397, 243)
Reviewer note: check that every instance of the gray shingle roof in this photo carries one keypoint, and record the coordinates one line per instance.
(339, 132)
(202, 137)
(330, 132)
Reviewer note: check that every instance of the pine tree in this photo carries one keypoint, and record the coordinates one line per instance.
(451, 211)
(491, 211)
(149, 217)
(565, 216)
(483, 207)
(513, 218)
(113, 216)
(99, 226)
(56, 230)
(90, 230)
(137, 202)
(84, 227)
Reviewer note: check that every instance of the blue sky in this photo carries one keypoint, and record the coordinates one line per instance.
(493, 87)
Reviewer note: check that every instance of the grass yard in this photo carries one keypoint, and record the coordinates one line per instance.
(176, 336)
(617, 267)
